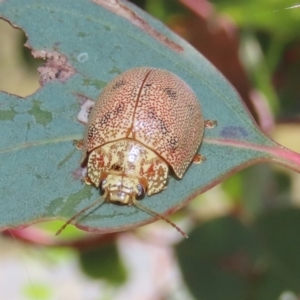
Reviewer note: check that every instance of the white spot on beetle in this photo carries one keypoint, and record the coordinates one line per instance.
(82, 57)
(133, 154)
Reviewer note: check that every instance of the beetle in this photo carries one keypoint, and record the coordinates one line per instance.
(145, 122)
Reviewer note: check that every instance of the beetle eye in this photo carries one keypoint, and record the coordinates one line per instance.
(103, 181)
(141, 192)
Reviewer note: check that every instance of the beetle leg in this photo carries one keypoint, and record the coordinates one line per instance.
(210, 124)
(198, 159)
(78, 144)
(86, 180)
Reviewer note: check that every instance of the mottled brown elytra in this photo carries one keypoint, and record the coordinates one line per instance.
(145, 121)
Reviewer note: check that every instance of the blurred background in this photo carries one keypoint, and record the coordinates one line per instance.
(244, 234)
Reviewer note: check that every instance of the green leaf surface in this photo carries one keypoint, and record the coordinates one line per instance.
(281, 17)
(104, 263)
(218, 258)
(38, 162)
(226, 259)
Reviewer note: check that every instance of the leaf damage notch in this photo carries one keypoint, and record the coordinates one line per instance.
(56, 66)
(122, 10)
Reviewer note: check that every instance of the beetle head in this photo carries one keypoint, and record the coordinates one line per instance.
(122, 189)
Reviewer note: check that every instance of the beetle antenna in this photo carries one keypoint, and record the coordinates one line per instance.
(157, 215)
(99, 201)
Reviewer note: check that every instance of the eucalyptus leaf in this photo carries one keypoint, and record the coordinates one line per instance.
(225, 258)
(97, 40)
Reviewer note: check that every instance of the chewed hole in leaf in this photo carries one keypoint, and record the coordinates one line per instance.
(18, 71)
